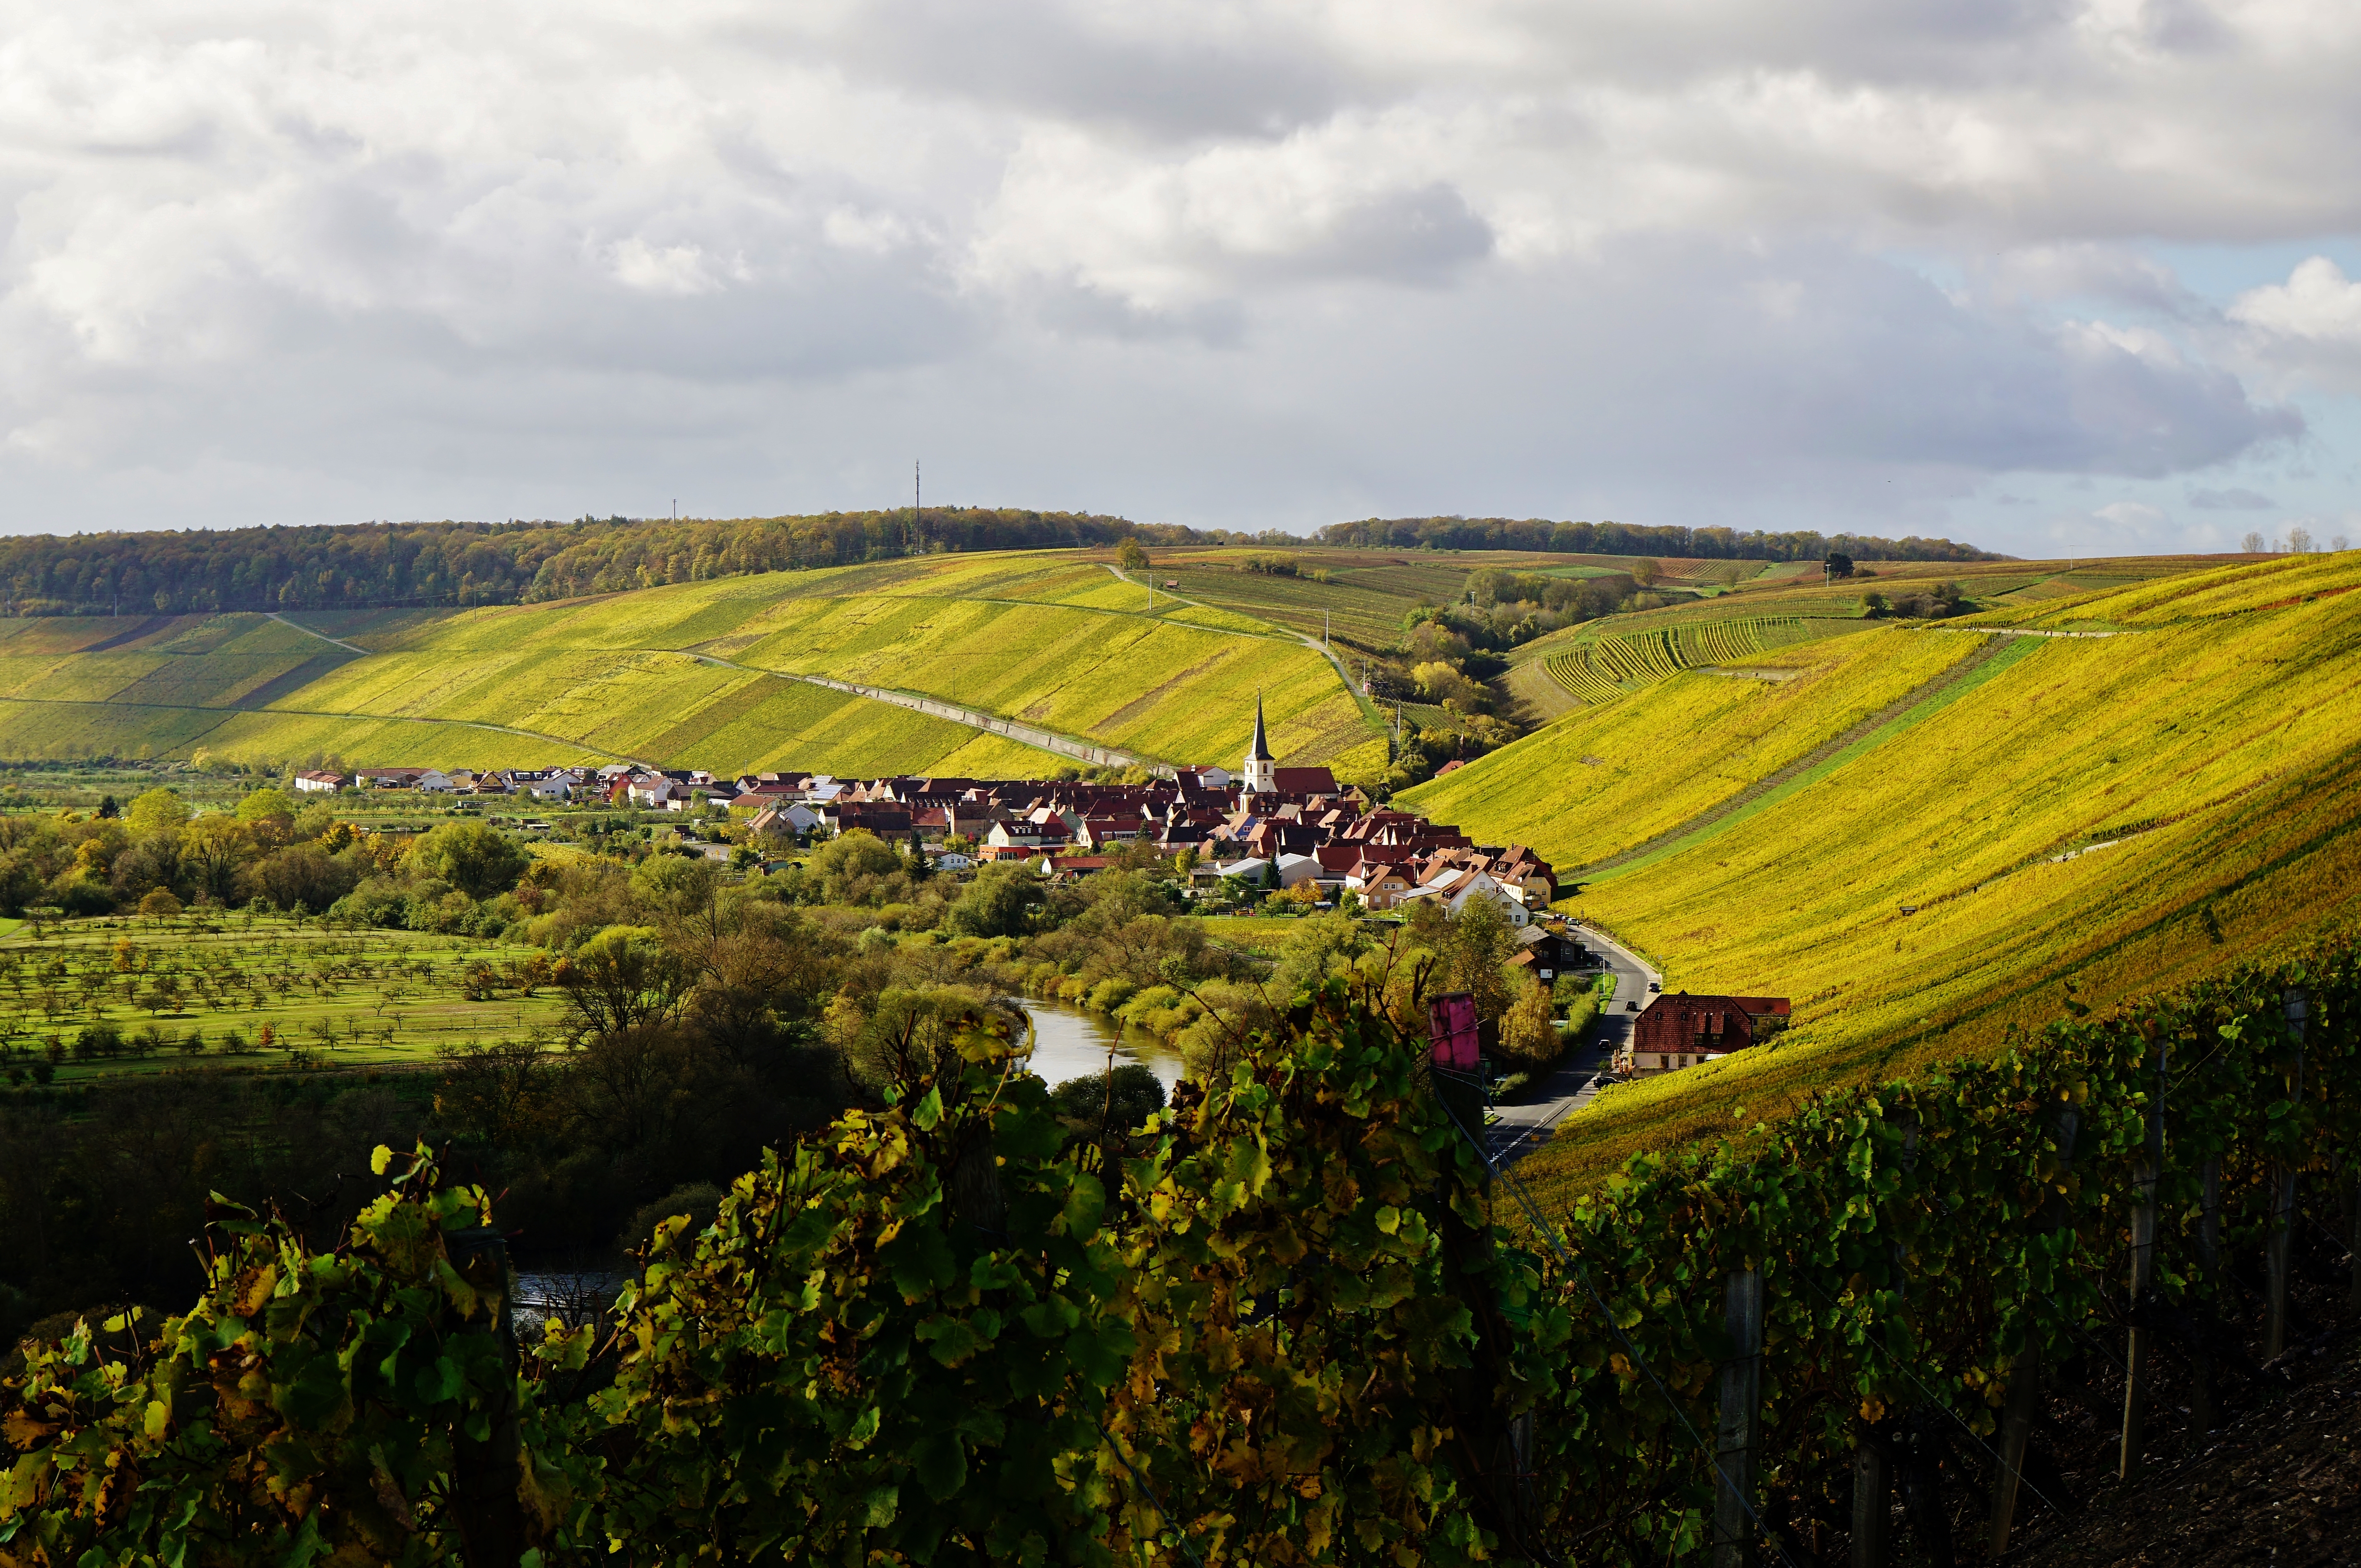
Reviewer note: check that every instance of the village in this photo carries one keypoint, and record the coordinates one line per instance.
(1293, 834)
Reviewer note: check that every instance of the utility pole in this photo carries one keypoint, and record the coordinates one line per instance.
(918, 501)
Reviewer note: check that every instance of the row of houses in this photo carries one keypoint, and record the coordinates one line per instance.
(1272, 839)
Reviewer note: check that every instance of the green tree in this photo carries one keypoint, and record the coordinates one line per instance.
(158, 811)
(674, 885)
(1130, 557)
(1475, 942)
(1000, 902)
(844, 861)
(620, 980)
(272, 805)
(1529, 1034)
(478, 859)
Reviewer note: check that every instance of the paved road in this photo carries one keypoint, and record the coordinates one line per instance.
(1343, 671)
(1519, 1128)
(935, 707)
(347, 647)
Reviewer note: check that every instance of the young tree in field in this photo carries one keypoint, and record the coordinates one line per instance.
(160, 904)
(2253, 544)
(1130, 557)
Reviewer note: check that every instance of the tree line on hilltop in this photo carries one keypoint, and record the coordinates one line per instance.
(1630, 539)
(371, 565)
(380, 565)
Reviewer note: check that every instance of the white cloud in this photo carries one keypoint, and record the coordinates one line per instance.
(1246, 262)
(2317, 304)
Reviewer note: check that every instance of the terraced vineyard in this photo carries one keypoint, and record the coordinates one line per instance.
(698, 674)
(1610, 666)
(2002, 817)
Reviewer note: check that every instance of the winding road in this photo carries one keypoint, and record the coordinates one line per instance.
(1520, 1127)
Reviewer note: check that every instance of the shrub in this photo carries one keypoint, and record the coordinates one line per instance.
(83, 898)
(1109, 994)
(1000, 902)
(379, 901)
(478, 859)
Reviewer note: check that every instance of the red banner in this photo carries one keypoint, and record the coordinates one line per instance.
(1451, 1024)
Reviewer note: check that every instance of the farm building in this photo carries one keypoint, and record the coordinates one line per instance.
(1547, 953)
(1681, 1031)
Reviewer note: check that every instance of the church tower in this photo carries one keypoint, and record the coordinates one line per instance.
(1262, 768)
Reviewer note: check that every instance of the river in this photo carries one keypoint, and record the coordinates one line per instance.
(1066, 1043)
(1069, 1042)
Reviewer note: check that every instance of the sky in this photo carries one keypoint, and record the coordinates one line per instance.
(2052, 277)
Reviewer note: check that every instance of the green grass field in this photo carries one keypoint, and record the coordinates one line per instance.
(2123, 813)
(193, 992)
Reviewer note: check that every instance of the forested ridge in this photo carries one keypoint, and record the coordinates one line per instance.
(376, 565)
(1630, 539)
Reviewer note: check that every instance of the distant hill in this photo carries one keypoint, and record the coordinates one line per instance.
(699, 675)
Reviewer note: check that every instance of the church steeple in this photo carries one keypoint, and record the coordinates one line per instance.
(1261, 767)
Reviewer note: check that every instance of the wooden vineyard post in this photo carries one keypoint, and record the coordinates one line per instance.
(2025, 1373)
(2202, 1412)
(2143, 1277)
(2282, 1244)
(1873, 1500)
(1738, 1434)
(486, 1472)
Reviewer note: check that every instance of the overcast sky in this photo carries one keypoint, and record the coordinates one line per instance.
(2055, 278)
